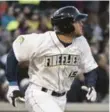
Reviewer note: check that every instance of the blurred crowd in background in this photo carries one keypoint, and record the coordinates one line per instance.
(17, 17)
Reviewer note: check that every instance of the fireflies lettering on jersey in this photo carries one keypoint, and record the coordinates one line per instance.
(62, 59)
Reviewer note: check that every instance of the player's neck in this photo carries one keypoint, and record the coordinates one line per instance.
(65, 38)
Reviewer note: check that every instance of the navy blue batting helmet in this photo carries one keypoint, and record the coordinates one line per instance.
(63, 18)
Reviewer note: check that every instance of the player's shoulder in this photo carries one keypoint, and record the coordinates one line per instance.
(48, 34)
(34, 37)
(38, 35)
(30, 37)
(81, 40)
(25, 37)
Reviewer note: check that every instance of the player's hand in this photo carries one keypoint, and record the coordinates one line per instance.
(91, 93)
(13, 94)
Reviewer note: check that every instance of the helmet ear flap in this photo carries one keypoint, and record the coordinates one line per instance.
(64, 26)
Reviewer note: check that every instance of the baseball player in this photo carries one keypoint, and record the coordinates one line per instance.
(55, 58)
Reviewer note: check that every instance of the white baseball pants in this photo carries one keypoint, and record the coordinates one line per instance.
(39, 101)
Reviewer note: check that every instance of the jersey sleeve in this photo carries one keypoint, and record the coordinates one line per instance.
(24, 46)
(87, 58)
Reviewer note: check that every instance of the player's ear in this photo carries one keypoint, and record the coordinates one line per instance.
(73, 26)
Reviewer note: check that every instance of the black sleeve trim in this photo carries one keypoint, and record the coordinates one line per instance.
(91, 78)
(11, 66)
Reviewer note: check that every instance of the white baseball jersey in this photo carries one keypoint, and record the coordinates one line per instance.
(51, 64)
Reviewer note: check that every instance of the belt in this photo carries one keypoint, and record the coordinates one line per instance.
(53, 93)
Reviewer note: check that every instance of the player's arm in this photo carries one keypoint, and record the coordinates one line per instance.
(22, 75)
(90, 70)
(11, 66)
(17, 59)
(89, 86)
(15, 72)
(22, 51)
(14, 77)
(91, 78)
(13, 61)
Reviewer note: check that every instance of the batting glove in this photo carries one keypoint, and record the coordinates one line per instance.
(91, 93)
(13, 94)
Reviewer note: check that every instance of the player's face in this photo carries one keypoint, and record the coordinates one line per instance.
(78, 28)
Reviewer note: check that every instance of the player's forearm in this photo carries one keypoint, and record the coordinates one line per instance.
(91, 78)
(21, 73)
(11, 66)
